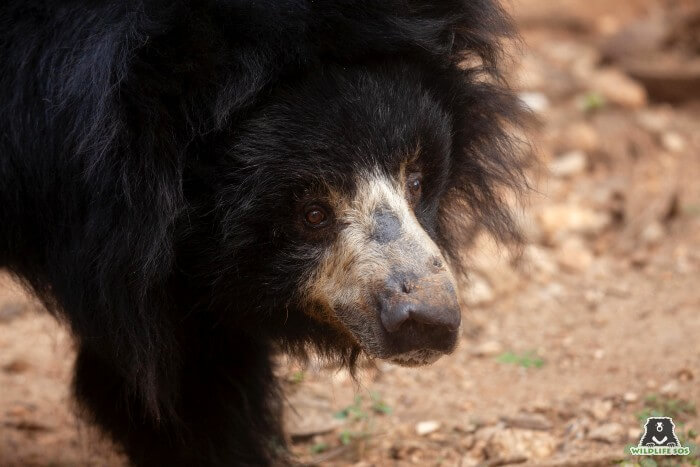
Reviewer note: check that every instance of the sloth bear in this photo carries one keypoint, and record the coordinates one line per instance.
(196, 186)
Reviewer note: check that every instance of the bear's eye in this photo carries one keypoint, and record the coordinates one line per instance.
(315, 216)
(414, 186)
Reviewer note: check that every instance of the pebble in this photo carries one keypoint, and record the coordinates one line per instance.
(600, 409)
(670, 389)
(653, 233)
(574, 255)
(478, 291)
(488, 349)
(493, 268)
(426, 427)
(552, 291)
(634, 433)
(569, 164)
(685, 374)
(540, 259)
(528, 422)
(594, 297)
(516, 443)
(535, 101)
(607, 433)
(654, 120)
(630, 397)
(619, 89)
(673, 142)
(526, 222)
(560, 219)
(581, 136)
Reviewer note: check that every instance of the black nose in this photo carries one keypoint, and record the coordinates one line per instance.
(442, 314)
(420, 312)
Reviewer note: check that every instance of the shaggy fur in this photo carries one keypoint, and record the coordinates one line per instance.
(151, 154)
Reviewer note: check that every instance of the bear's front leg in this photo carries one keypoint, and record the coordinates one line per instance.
(227, 408)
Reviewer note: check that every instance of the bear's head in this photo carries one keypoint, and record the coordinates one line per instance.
(344, 200)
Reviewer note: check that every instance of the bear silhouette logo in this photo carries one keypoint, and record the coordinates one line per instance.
(659, 431)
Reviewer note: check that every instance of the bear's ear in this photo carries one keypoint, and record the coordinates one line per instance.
(489, 156)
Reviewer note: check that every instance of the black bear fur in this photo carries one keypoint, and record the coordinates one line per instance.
(132, 202)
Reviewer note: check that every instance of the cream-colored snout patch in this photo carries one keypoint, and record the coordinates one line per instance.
(384, 281)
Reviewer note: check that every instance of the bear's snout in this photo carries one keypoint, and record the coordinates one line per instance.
(419, 312)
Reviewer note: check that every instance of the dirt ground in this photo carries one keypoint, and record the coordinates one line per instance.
(566, 348)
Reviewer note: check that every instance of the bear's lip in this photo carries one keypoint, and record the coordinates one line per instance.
(420, 357)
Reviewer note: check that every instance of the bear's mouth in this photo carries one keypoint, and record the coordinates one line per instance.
(414, 346)
(414, 358)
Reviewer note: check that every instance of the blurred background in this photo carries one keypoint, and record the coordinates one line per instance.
(568, 346)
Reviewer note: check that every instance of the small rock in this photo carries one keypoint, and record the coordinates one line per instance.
(685, 375)
(581, 136)
(426, 427)
(535, 101)
(469, 461)
(670, 389)
(468, 429)
(673, 142)
(653, 233)
(607, 433)
(552, 291)
(516, 443)
(634, 433)
(307, 415)
(600, 409)
(619, 89)
(639, 259)
(489, 262)
(655, 120)
(560, 219)
(488, 349)
(577, 428)
(574, 255)
(528, 422)
(569, 164)
(599, 354)
(630, 397)
(541, 260)
(528, 225)
(594, 297)
(478, 291)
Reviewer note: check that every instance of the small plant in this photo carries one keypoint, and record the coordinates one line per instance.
(352, 412)
(297, 377)
(358, 411)
(527, 360)
(378, 404)
(319, 447)
(360, 418)
(659, 406)
(592, 102)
